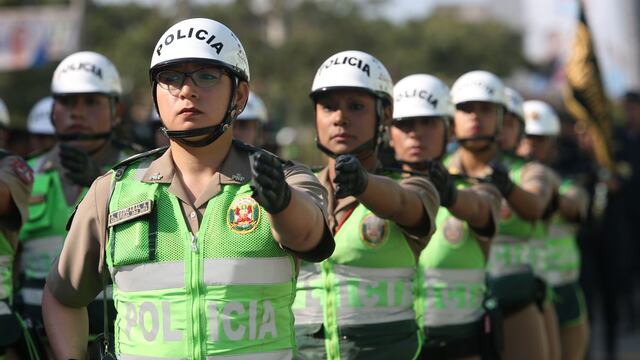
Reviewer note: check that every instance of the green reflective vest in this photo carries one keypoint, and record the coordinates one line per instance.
(223, 292)
(6, 268)
(451, 274)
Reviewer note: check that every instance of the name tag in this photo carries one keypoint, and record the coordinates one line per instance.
(132, 212)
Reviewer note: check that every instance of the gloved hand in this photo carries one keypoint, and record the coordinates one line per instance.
(444, 183)
(351, 178)
(269, 187)
(81, 168)
(500, 178)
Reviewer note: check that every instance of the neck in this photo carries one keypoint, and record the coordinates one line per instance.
(206, 160)
(475, 163)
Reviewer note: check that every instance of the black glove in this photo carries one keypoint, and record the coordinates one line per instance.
(444, 183)
(351, 178)
(269, 187)
(81, 168)
(500, 178)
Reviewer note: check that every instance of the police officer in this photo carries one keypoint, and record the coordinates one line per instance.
(200, 239)
(359, 303)
(16, 180)
(480, 103)
(86, 108)
(513, 131)
(248, 128)
(560, 260)
(451, 276)
(40, 128)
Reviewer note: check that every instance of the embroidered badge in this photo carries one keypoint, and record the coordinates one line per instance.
(453, 230)
(155, 177)
(132, 212)
(237, 177)
(23, 171)
(373, 231)
(243, 215)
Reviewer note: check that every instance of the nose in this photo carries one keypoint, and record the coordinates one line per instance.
(188, 89)
(339, 118)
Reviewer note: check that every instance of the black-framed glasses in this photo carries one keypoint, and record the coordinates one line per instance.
(173, 80)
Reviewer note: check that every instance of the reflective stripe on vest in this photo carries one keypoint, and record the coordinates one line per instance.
(562, 255)
(307, 306)
(453, 296)
(238, 271)
(373, 295)
(509, 255)
(275, 355)
(38, 255)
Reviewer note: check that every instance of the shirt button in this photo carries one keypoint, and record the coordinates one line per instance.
(193, 214)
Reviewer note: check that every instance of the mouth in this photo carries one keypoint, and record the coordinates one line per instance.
(341, 137)
(189, 111)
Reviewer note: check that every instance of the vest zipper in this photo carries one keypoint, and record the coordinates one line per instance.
(195, 271)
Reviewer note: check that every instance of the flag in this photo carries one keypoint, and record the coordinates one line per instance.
(584, 94)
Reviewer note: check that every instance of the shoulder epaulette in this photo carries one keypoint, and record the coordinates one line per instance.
(130, 160)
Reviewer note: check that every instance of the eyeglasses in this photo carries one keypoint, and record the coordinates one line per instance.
(173, 80)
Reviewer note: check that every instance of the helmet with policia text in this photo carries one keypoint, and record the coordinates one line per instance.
(482, 86)
(86, 72)
(540, 119)
(353, 69)
(254, 110)
(422, 95)
(4, 115)
(208, 42)
(39, 120)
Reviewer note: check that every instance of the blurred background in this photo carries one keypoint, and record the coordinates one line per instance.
(526, 42)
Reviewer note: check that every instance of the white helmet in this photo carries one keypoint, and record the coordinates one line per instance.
(254, 110)
(478, 85)
(353, 69)
(514, 102)
(39, 120)
(201, 40)
(421, 95)
(540, 119)
(4, 115)
(86, 72)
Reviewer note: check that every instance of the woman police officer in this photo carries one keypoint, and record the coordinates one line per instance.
(560, 261)
(359, 303)
(200, 238)
(451, 276)
(479, 100)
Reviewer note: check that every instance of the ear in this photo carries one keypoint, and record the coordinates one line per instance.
(119, 111)
(387, 115)
(242, 95)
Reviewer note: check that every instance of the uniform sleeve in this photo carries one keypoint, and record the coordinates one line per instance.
(18, 176)
(302, 179)
(536, 177)
(75, 277)
(431, 202)
(490, 194)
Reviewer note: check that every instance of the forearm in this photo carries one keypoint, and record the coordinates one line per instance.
(300, 225)
(472, 208)
(389, 200)
(570, 209)
(528, 205)
(67, 327)
(6, 203)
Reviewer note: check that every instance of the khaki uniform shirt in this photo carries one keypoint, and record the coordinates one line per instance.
(17, 175)
(107, 156)
(75, 278)
(418, 237)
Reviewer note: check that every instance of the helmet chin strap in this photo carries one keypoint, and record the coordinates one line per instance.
(83, 137)
(213, 132)
(416, 165)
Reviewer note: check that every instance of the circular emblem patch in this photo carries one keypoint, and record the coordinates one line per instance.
(243, 215)
(23, 171)
(373, 231)
(453, 230)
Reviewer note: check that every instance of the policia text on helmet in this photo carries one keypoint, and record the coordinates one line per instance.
(221, 55)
